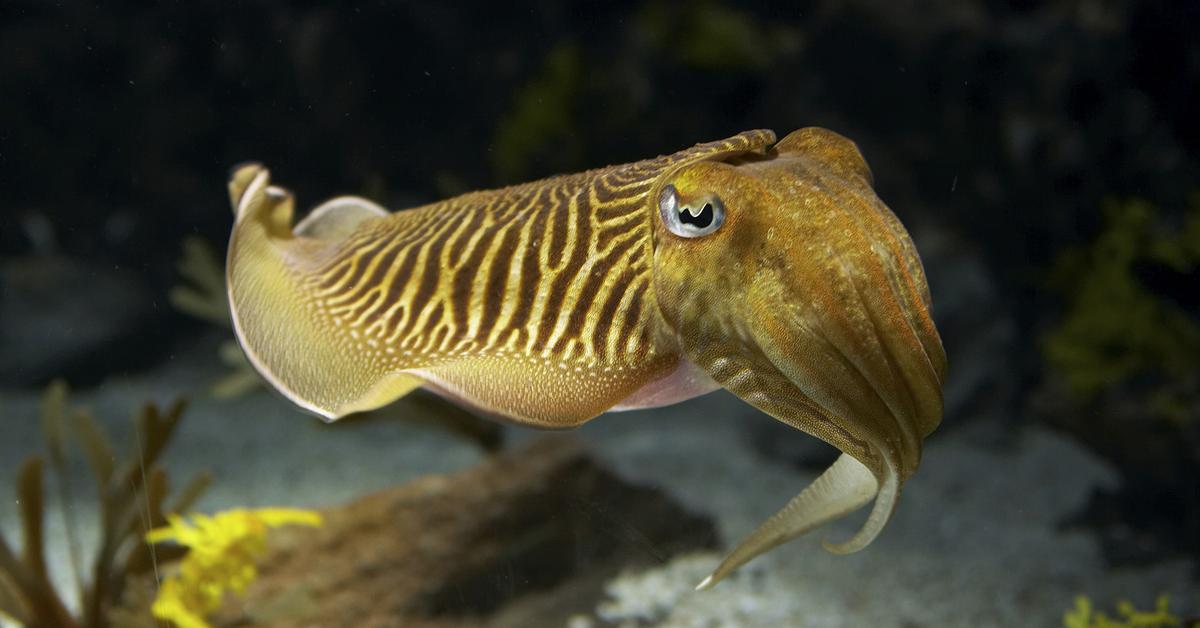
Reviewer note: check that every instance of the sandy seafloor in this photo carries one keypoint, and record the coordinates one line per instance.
(975, 541)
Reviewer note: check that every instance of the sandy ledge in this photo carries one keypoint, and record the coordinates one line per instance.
(974, 542)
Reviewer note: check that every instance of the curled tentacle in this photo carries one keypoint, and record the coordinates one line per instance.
(844, 487)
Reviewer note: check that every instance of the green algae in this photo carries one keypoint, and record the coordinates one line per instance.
(1115, 329)
(543, 116)
(1085, 616)
(714, 36)
(201, 294)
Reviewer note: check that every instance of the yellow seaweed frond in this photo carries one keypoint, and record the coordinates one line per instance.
(222, 552)
(1084, 616)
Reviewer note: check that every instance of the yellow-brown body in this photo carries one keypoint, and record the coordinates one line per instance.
(554, 301)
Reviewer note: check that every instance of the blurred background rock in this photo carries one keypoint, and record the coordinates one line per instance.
(997, 131)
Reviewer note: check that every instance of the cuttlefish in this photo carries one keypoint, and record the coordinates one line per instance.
(770, 269)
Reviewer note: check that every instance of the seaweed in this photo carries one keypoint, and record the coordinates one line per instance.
(1116, 328)
(1084, 616)
(202, 295)
(711, 36)
(132, 496)
(222, 551)
(543, 116)
(203, 292)
(1122, 375)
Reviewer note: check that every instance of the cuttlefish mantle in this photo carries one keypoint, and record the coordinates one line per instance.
(768, 268)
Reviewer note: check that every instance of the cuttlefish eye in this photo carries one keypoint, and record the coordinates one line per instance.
(686, 220)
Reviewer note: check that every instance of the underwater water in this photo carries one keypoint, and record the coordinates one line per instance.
(1041, 159)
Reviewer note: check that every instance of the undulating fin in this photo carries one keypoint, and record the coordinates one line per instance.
(336, 218)
(277, 324)
(254, 199)
(240, 177)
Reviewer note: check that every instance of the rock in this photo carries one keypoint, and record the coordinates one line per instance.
(525, 539)
(1153, 513)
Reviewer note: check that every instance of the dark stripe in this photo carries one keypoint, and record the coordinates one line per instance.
(435, 317)
(354, 286)
(605, 237)
(559, 215)
(464, 279)
(591, 287)
(531, 275)
(438, 336)
(387, 260)
(459, 248)
(327, 279)
(558, 289)
(631, 315)
(373, 297)
(604, 316)
(407, 257)
(429, 273)
(632, 205)
(497, 278)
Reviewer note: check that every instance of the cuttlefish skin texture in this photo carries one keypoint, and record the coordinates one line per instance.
(552, 302)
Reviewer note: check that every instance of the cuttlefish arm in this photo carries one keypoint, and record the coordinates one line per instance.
(843, 488)
(809, 303)
(768, 268)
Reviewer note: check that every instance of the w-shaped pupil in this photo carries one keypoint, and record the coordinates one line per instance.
(700, 220)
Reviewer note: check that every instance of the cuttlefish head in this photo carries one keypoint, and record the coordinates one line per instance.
(784, 277)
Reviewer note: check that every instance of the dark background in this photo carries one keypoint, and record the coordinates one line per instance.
(997, 131)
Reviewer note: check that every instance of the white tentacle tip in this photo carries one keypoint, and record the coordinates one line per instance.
(706, 584)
